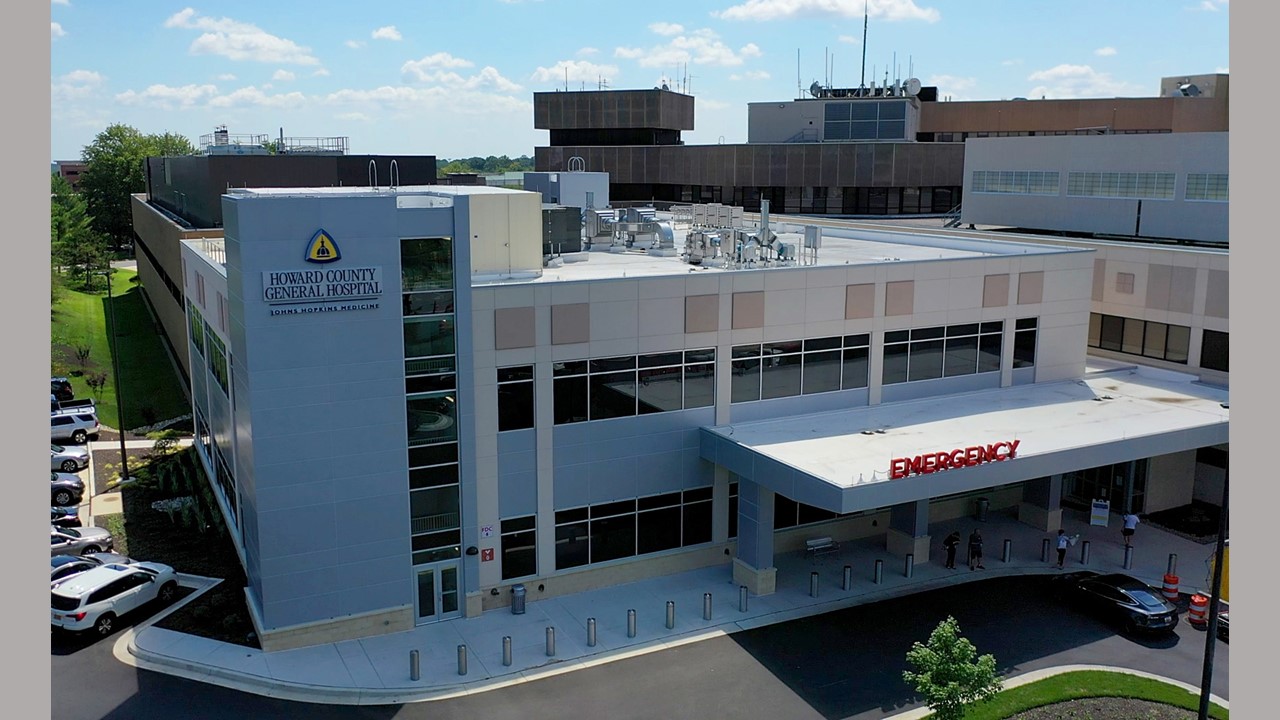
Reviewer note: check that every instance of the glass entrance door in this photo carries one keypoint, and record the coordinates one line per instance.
(437, 592)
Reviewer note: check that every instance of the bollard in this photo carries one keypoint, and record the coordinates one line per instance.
(631, 623)
(506, 650)
(413, 665)
(742, 598)
(462, 659)
(813, 584)
(671, 614)
(706, 606)
(879, 574)
(1044, 550)
(1007, 555)
(1084, 553)
(1173, 564)
(591, 632)
(1128, 557)
(909, 565)
(551, 641)
(846, 583)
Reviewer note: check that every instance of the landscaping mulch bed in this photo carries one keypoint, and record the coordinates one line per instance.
(1197, 521)
(1106, 709)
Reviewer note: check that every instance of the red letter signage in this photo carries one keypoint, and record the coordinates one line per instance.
(958, 458)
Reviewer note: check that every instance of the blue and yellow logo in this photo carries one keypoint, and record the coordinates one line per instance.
(322, 248)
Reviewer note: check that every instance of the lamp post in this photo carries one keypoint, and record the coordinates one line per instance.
(1211, 634)
(115, 371)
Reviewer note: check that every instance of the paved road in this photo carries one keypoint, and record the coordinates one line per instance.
(845, 664)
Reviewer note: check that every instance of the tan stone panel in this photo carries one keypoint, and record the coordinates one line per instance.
(570, 323)
(748, 310)
(899, 297)
(859, 301)
(701, 313)
(995, 290)
(1030, 287)
(513, 328)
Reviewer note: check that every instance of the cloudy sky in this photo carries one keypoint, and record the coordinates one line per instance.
(456, 78)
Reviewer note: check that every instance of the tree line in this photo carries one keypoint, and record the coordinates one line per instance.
(492, 165)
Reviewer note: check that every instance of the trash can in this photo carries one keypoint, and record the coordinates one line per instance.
(981, 513)
(517, 599)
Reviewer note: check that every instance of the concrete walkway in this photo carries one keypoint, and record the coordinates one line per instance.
(376, 670)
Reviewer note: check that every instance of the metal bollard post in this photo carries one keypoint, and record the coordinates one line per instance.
(462, 659)
(671, 614)
(846, 583)
(631, 623)
(551, 641)
(1128, 557)
(591, 632)
(1084, 553)
(742, 598)
(909, 565)
(879, 574)
(813, 584)
(413, 665)
(1007, 555)
(1044, 550)
(1173, 564)
(706, 606)
(506, 650)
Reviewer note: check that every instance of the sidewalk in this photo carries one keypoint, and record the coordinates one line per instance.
(376, 670)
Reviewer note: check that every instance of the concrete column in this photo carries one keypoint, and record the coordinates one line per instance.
(720, 506)
(908, 532)
(754, 565)
(1041, 505)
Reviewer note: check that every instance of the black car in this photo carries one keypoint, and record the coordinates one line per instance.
(1224, 627)
(64, 516)
(1119, 598)
(60, 388)
(67, 489)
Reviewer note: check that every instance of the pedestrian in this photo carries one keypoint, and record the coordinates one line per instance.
(951, 542)
(975, 550)
(1130, 522)
(1063, 542)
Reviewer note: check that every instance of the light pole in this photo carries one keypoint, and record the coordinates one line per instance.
(1211, 634)
(115, 371)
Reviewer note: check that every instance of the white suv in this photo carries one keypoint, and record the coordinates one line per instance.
(95, 598)
(76, 426)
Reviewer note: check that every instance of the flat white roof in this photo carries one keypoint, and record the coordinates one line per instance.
(1060, 426)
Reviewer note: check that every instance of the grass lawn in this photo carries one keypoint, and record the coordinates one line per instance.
(1087, 684)
(152, 390)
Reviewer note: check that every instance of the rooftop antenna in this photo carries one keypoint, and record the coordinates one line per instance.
(798, 91)
(566, 78)
(862, 84)
(826, 81)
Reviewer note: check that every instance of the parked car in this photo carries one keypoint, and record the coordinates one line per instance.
(68, 459)
(60, 388)
(76, 425)
(1224, 627)
(78, 541)
(95, 598)
(67, 489)
(1119, 598)
(62, 567)
(64, 516)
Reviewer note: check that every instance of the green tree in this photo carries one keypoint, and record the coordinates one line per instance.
(74, 245)
(949, 673)
(114, 171)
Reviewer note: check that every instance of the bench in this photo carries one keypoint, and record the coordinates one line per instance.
(817, 546)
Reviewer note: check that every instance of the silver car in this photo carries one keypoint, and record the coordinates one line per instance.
(78, 541)
(68, 459)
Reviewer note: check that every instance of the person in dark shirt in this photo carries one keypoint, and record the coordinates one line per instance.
(975, 550)
(951, 542)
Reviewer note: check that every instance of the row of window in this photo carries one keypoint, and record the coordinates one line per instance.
(1136, 185)
(1147, 186)
(961, 136)
(1207, 186)
(611, 531)
(954, 350)
(1019, 182)
(799, 367)
(624, 386)
(865, 121)
(217, 353)
(1147, 338)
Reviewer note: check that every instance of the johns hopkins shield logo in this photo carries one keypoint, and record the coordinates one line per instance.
(322, 248)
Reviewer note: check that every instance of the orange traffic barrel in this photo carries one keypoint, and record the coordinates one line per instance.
(1196, 613)
(1170, 588)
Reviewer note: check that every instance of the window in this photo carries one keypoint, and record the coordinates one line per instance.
(865, 120)
(611, 531)
(1213, 351)
(631, 385)
(426, 264)
(1140, 337)
(1024, 342)
(431, 418)
(428, 336)
(519, 547)
(1034, 182)
(1140, 186)
(515, 398)
(787, 369)
(196, 322)
(218, 361)
(1124, 283)
(1207, 186)
(930, 353)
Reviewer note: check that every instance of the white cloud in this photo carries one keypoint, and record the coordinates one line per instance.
(1214, 5)
(255, 97)
(82, 77)
(239, 40)
(59, 2)
(320, 73)
(354, 44)
(587, 51)
(700, 47)
(844, 9)
(751, 75)
(1079, 81)
(1105, 51)
(75, 85)
(226, 77)
(578, 71)
(666, 28)
(1009, 63)
(167, 97)
(952, 85)
(55, 30)
(388, 32)
(432, 70)
(852, 40)
(283, 76)
(428, 68)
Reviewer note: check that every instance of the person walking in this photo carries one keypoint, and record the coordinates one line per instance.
(975, 550)
(951, 542)
(1130, 523)
(1063, 542)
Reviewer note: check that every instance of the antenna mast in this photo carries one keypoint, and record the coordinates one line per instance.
(862, 84)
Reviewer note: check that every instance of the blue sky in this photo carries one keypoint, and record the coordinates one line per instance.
(456, 78)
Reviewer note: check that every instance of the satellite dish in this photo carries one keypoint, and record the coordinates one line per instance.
(815, 89)
(913, 87)
(664, 86)
(1189, 90)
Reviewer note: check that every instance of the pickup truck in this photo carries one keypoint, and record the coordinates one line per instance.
(82, 405)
